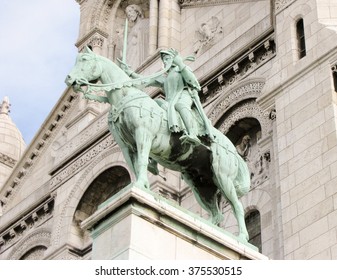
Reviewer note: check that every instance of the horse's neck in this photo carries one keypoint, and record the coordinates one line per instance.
(111, 73)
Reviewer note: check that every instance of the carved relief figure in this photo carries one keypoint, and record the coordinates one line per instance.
(138, 38)
(208, 34)
(244, 147)
(258, 163)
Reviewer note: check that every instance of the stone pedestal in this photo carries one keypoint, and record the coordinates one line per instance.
(138, 224)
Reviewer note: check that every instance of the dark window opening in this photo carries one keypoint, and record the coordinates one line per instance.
(300, 38)
(334, 75)
(253, 223)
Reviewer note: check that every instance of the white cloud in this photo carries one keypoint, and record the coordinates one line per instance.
(36, 53)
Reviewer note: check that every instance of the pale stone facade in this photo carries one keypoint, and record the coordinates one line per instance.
(253, 83)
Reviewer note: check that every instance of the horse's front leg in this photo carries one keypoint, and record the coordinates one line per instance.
(143, 139)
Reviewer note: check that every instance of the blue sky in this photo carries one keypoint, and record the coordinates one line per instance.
(37, 51)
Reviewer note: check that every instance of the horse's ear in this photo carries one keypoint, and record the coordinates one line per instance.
(87, 49)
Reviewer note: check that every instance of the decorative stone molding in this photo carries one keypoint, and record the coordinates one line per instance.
(248, 90)
(33, 219)
(97, 128)
(238, 70)
(82, 161)
(101, 12)
(249, 109)
(37, 239)
(202, 3)
(7, 160)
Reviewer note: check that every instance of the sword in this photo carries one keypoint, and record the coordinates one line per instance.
(125, 43)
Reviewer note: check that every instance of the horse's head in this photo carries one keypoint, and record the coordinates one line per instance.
(86, 69)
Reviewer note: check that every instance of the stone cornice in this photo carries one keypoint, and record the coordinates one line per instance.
(238, 70)
(33, 219)
(33, 152)
(202, 3)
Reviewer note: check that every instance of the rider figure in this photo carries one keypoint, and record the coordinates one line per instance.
(181, 90)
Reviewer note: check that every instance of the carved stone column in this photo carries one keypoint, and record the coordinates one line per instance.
(96, 42)
(153, 26)
(164, 22)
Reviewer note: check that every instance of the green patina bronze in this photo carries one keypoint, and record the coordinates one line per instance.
(174, 132)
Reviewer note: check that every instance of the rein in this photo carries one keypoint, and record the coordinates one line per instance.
(117, 85)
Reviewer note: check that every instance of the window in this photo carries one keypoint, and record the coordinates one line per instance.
(334, 76)
(300, 38)
(253, 223)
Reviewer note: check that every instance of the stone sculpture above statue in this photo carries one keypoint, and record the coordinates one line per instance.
(145, 129)
(138, 37)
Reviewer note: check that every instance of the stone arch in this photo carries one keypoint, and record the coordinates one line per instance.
(246, 109)
(247, 89)
(101, 12)
(104, 186)
(110, 158)
(32, 246)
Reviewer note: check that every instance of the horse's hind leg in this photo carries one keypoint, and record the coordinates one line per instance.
(228, 190)
(211, 205)
(144, 142)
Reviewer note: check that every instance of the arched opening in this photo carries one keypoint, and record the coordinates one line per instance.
(36, 253)
(246, 126)
(107, 184)
(253, 223)
(258, 163)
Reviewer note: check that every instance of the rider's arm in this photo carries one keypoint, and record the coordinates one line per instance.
(187, 74)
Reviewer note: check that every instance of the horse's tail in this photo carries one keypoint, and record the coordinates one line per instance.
(242, 180)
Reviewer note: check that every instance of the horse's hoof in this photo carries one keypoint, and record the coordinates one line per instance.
(244, 237)
(142, 185)
(217, 219)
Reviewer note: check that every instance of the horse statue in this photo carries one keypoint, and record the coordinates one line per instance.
(139, 125)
